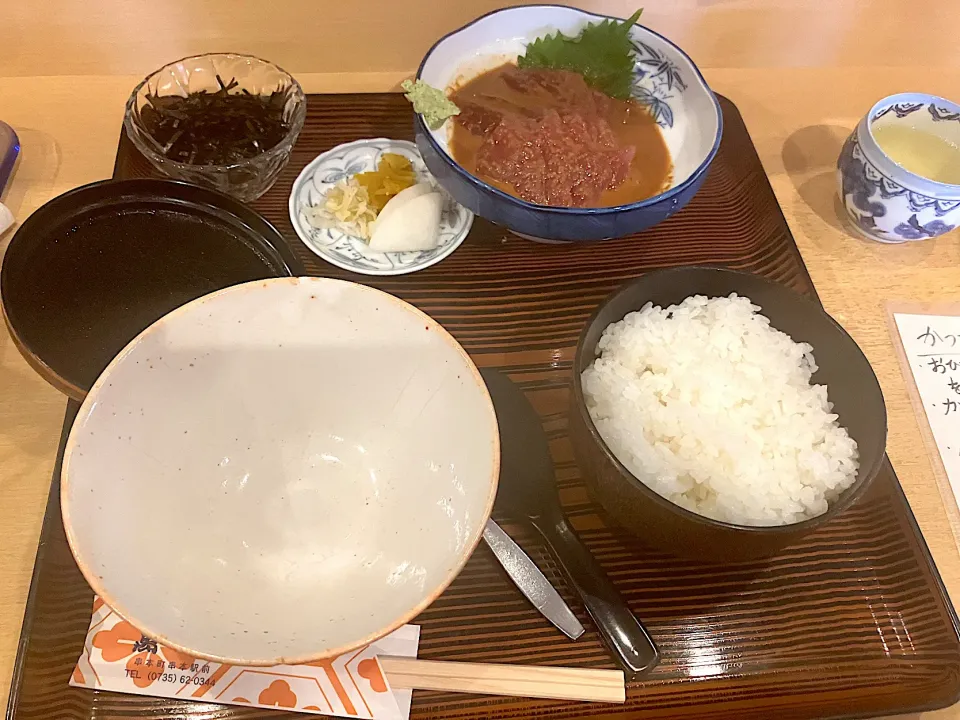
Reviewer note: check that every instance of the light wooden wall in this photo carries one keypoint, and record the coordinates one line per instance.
(109, 37)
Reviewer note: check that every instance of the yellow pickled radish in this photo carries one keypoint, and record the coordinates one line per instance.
(394, 173)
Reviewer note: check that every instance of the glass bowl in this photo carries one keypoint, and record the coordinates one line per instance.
(248, 178)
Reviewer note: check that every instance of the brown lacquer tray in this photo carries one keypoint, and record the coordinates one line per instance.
(852, 622)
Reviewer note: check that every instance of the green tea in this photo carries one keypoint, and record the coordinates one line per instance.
(922, 153)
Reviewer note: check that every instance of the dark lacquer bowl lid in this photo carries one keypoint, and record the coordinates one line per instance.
(93, 267)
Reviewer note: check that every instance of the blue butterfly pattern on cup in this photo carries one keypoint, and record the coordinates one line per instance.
(901, 110)
(941, 114)
(913, 230)
(352, 253)
(860, 181)
(657, 80)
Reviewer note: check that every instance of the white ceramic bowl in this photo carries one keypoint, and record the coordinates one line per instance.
(666, 80)
(281, 471)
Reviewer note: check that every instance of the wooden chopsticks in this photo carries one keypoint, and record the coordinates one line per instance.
(558, 683)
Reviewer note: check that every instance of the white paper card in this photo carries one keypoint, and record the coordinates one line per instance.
(931, 344)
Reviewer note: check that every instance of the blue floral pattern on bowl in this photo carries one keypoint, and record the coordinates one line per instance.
(352, 253)
(883, 200)
(657, 81)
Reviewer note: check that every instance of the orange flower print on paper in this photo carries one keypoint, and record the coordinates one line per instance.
(279, 694)
(370, 671)
(144, 656)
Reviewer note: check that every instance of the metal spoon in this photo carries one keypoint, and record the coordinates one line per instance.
(528, 490)
(531, 582)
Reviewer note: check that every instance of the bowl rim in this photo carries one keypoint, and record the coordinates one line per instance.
(911, 178)
(96, 582)
(850, 496)
(137, 135)
(422, 129)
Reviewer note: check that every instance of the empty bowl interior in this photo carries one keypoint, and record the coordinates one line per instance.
(852, 385)
(666, 79)
(280, 471)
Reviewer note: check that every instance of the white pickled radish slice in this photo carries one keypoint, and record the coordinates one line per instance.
(413, 225)
(402, 197)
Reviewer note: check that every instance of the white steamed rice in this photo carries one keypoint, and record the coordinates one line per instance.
(713, 409)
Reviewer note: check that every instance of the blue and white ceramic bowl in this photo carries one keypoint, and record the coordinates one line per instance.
(883, 200)
(666, 80)
(352, 253)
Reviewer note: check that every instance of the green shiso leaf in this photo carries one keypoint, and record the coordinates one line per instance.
(602, 53)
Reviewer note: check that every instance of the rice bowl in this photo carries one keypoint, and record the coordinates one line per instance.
(714, 409)
(627, 495)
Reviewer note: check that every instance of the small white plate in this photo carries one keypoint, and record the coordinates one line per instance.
(352, 253)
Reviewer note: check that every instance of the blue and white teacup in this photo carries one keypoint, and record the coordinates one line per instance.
(885, 201)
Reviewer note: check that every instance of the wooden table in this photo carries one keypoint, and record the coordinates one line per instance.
(802, 73)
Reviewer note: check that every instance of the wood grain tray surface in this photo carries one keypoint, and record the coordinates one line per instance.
(852, 622)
